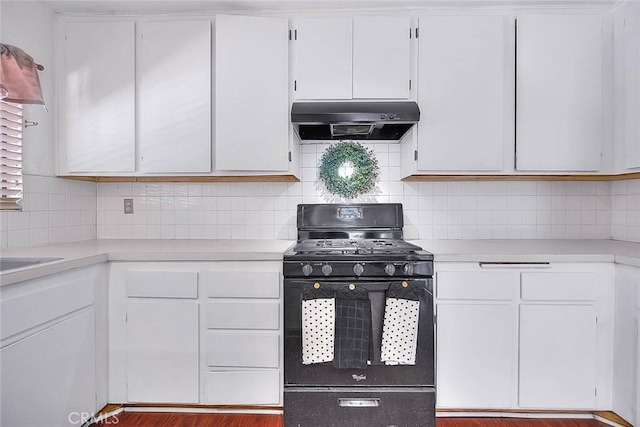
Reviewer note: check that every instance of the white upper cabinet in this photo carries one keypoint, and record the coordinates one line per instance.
(381, 53)
(559, 92)
(323, 50)
(461, 93)
(251, 95)
(632, 84)
(175, 96)
(97, 91)
(352, 58)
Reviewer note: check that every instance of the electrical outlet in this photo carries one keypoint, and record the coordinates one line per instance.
(128, 206)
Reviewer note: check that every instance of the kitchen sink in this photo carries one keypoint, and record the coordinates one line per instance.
(12, 263)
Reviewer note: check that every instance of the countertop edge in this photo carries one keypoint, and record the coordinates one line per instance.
(86, 253)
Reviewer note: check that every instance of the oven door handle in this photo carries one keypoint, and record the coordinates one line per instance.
(372, 402)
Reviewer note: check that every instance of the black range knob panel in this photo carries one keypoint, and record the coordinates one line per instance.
(408, 269)
(307, 269)
(326, 269)
(390, 269)
(358, 269)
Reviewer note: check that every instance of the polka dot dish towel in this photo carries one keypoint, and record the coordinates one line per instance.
(318, 323)
(400, 325)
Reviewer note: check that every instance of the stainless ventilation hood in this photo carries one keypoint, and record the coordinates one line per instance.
(383, 121)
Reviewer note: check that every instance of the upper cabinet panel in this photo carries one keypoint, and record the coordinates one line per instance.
(175, 96)
(252, 96)
(323, 48)
(381, 53)
(352, 58)
(461, 93)
(97, 105)
(559, 92)
(632, 84)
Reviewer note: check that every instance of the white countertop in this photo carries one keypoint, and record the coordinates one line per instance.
(80, 254)
(87, 252)
(533, 251)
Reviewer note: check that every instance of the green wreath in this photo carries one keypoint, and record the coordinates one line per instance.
(348, 169)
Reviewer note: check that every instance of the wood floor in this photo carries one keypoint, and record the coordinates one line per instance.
(152, 419)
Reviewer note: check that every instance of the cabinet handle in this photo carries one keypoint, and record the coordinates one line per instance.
(543, 264)
(359, 403)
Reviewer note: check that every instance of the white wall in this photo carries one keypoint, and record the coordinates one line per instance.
(54, 210)
(29, 26)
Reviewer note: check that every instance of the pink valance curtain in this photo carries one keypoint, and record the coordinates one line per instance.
(19, 81)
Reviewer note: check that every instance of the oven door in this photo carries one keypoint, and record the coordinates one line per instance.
(377, 374)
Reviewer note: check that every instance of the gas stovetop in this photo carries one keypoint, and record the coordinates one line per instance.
(353, 246)
(354, 241)
(357, 258)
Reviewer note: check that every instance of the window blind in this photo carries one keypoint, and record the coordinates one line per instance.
(11, 156)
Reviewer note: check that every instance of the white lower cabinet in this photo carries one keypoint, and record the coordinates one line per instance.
(51, 358)
(187, 332)
(162, 336)
(162, 351)
(557, 368)
(243, 334)
(486, 332)
(558, 338)
(475, 345)
(524, 336)
(626, 360)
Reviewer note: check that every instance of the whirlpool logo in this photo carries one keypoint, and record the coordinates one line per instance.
(358, 378)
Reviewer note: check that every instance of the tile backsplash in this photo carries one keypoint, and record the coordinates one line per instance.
(433, 210)
(54, 210)
(625, 210)
(58, 210)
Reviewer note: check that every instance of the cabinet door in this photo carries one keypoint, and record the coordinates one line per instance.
(323, 58)
(175, 96)
(632, 84)
(558, 93)
(381, 52)
(557, 356)
(252, 96)
(97, 113)
(475, 344)
(461, 67)
(162, 351)
(49, 378)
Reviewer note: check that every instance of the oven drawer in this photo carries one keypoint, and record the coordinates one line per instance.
(371, 407)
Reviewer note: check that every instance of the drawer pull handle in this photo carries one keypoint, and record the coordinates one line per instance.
(359, 403)
(514, 264)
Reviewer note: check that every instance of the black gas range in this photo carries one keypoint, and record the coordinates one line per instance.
(348, 271)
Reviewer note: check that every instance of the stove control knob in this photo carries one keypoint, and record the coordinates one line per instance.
(358, 269)
(307, 269)
(326, 269)
(408, 269)
(390, 269)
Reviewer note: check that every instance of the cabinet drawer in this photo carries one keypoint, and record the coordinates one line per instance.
(32, 309)
(494, 285)
(243, 349)
(242, 284)
(242, 315)
(258, 387)
(560, 286)
(162, 284)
